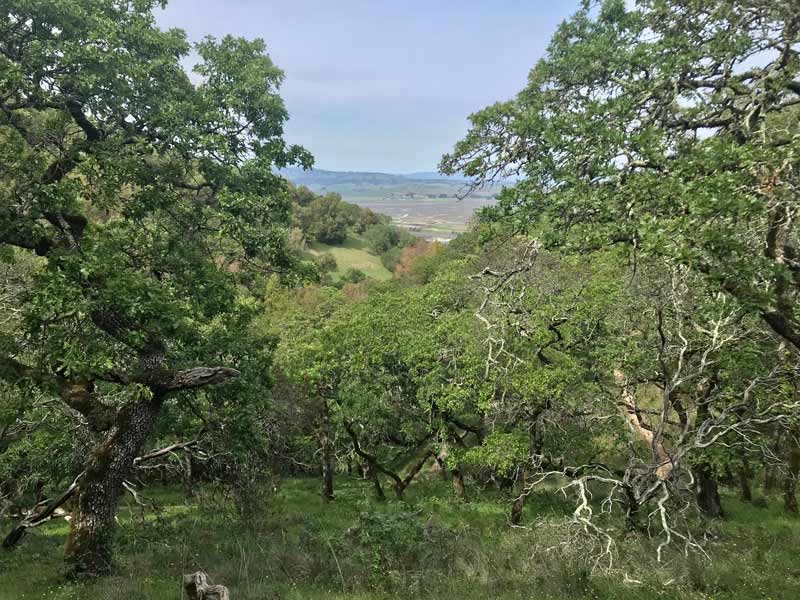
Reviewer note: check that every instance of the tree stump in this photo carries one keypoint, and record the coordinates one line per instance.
(198, 587)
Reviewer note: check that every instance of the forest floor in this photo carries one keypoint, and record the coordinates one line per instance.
(293, 546)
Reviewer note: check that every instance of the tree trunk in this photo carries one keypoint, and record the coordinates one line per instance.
(519, 502)
(708, 499)
(458, 484)
(790, 482)
(401, 485)
(745, 492)
(370, 472)
(769, 479)
(632, 510)
(326, 451)
(327, 474)
(88, 548)
(769, 469)
(441, 467)
(534, 449)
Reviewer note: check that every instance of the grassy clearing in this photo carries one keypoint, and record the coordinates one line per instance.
(353, 254)
(426, 546)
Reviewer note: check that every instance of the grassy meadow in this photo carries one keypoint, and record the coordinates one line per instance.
(353, 254)
(294, 546)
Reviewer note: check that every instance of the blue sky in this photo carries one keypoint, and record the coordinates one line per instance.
(384, 85)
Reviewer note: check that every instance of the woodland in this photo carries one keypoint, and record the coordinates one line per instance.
(591, 393)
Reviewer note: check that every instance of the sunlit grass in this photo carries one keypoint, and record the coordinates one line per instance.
(298, 546)
(353, 254)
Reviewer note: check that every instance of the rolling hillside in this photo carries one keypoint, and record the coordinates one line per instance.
(353, 254)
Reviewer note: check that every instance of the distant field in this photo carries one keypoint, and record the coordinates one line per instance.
(431, 218)
(353, 254)
(431, 209)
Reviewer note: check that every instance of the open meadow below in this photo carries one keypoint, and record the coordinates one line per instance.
(353, 254)
(295, 546)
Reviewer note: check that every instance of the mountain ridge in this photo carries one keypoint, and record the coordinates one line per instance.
(329, 177)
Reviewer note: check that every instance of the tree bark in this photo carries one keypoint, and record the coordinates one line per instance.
(519, 502)
(401, 484)
(790, 482)
(632, 510)
(745, 473)
(88, 548)
(458, 484)
(708, 499)
(534, 449)
(371, 473)
(326, 452)
(46, 510)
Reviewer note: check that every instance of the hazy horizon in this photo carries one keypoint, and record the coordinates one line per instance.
(384, 87)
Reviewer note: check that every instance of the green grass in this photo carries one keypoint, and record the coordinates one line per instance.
(353, 254)
(426, 546)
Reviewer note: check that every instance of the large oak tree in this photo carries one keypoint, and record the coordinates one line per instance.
(148, 195)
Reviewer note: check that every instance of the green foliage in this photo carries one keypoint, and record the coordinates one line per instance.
(327, 218)
(433, 548)
(502, 452)
(391, 257)
(625, 278)
(326, 262)
(397, 543)
(145, 210)
(324, 219)
(146, 262)
(353, 276)
(654, 127)
(384, 236)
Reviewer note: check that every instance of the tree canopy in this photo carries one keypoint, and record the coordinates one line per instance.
(149, 198)
(670, 128)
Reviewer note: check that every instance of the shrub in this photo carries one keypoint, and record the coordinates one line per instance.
(353, 276)
(326, 262)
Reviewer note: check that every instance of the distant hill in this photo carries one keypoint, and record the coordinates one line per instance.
(434, 176)
(318, 177)
(321, 177)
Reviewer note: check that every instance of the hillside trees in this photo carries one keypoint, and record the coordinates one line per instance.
(633, 390)
(670, 130)
(324, 219)
(548, 325)
(393, 377)
(327, 219)
(133, 185)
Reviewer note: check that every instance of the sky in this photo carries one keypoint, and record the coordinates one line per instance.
(384, 85)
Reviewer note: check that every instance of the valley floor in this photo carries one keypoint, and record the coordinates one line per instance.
(291, 545)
